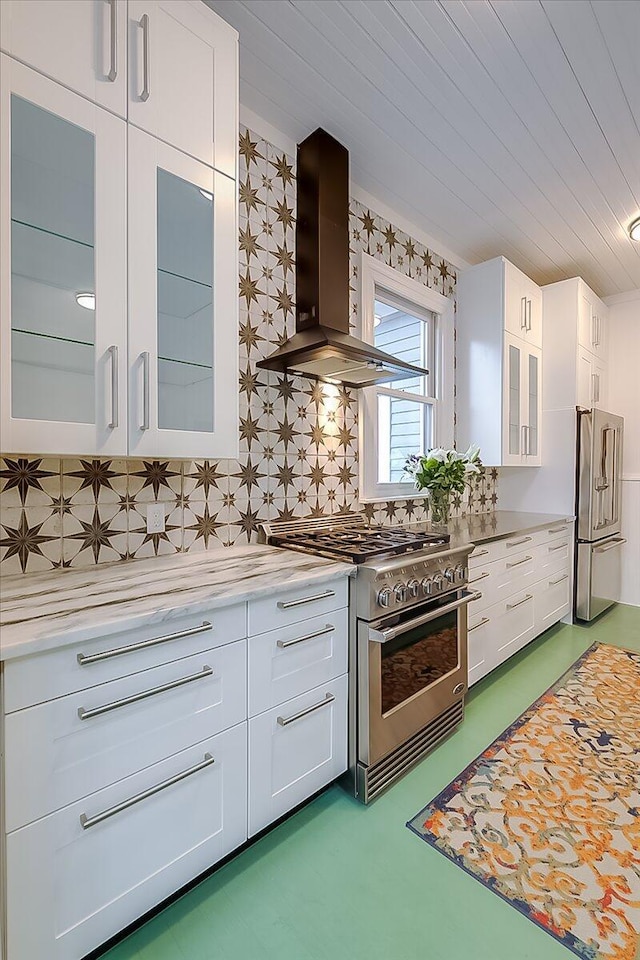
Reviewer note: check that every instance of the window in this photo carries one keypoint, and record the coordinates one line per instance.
(408, 320)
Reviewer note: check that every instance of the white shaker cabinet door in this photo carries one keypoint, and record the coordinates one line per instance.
(79, 876)
(294, 750)
(64, 269)
(183, 304)
(81, 44)
(183, 79)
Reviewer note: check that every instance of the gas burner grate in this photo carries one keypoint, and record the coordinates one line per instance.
(355, 543)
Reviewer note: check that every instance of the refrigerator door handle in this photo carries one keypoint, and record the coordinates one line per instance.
(610, 545)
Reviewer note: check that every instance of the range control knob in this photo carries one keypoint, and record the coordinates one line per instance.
(427, 586)
(461, 572)
(384, 596)
(450, 575)
(438, 583)
(413, 587)
(400, 592)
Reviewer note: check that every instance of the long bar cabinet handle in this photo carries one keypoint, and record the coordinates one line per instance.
(560, 529)
(512, 606)
(561, 546)
(482, 576)
(87, 822)
(113, 355)
(113, 41)
(480, 553)
(523, 313)
(552, 583)
(283, 644)
(144, 23)
(516, 563)
(287, 604)
(145, 390)
(516, 543)
(85, 658)
(285, 721)
(206, 671)
(481, 624)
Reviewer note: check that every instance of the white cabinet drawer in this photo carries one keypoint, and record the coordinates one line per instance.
(67, 748)
(294, 750)
(512, 624)
(552, 600)
(298, 603)
(498, 580)
(556, 531)
(479, 653)
(484, 553)
(552, 557)
(71, 888)
(45, 676)
(287, 662)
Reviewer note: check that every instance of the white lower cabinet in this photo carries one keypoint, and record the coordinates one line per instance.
(523, 587)
(80, 875)
(295, 749)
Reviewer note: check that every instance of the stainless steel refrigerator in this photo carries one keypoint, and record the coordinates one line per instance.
(598, 494)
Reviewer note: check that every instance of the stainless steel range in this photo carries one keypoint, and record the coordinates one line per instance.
(408, 638)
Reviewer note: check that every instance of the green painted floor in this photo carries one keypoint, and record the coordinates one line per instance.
(339, 880)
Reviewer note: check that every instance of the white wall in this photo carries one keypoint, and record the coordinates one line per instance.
(624, 399)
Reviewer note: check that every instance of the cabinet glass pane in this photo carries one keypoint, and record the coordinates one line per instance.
(514, 400)
(185, 305)
(52, 266)
(533, 405)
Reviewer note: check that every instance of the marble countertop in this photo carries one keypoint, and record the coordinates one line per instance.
(42, 611)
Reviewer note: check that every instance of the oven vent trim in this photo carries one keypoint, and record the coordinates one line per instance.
(374, 779)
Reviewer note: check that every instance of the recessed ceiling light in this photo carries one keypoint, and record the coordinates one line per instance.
(86, 300)
(634, 229)
(205, 193)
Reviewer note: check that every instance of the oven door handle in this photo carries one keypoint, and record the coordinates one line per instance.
(383, 636)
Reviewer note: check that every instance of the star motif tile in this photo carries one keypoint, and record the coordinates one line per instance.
(28, 481)
(30, 539)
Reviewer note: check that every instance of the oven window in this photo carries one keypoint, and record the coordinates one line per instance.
(417, 659)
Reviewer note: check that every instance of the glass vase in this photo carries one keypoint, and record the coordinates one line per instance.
(440, 506)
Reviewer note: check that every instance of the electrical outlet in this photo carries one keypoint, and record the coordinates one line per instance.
(155, 518)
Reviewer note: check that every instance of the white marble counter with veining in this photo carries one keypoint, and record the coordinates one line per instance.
(42, 611)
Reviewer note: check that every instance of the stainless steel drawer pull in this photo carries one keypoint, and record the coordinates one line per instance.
(480, 553)
(283, 644)
(84, 658)
(516, 563)
(559, 529)
(206, 671)
(516, 543)
(481, 577)
(561, 546)
(113, 45)
(512, 606)
(565, 576)
(616, 543)
(284, 721)
(87, 822)
(144, 23)
(481, 624)
(287, 604)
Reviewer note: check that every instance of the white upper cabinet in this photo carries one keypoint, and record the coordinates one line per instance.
(64, 269)
(182, 292)
(575, 331)
(499, 364)
(118, 287)
(522, 305)
(183, 79)
(79, 43)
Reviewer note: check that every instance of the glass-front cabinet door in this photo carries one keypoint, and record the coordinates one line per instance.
(533, 403)
(62, 232)
(182, 304)
(512, 401)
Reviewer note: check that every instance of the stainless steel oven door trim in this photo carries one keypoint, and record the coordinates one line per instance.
(379, 734)
(390, 633)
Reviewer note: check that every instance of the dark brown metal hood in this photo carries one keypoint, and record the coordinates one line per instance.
(322, 347)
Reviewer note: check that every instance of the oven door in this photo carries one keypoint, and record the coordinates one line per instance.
(411, 667)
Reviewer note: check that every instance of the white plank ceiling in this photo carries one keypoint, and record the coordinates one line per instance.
(500, 126)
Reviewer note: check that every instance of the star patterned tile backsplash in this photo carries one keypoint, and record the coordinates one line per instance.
(298, 438)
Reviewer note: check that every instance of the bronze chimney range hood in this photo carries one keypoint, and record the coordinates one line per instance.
(322, 347)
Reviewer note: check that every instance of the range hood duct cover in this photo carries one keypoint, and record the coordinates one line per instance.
(322, 347)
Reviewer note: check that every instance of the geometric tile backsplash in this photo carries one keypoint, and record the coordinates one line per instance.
(298, 438)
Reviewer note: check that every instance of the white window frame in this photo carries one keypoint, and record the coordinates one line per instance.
(376, 280)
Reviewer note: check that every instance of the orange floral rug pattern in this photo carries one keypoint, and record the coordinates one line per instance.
(548, 816)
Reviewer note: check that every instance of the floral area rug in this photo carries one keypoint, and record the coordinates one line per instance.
(548, 817)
